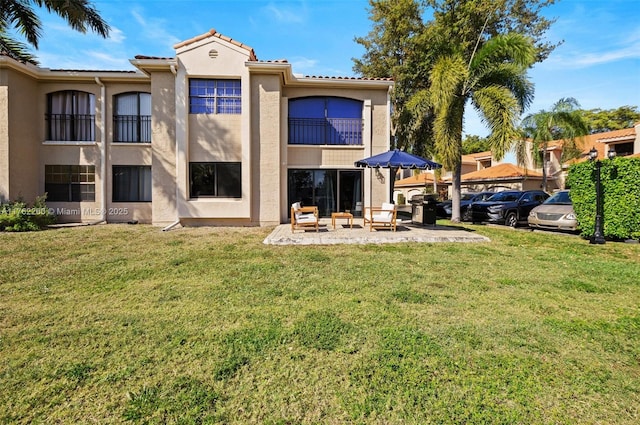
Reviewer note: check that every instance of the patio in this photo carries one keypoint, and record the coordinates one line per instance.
(359, 234)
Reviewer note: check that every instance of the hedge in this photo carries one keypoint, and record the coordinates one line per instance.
(620, 179)
(19, 217)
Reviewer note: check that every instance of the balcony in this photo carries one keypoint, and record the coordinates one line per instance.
(70, 127)
(325, 131)
(132, 129)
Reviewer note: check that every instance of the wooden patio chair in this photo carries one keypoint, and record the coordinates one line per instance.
(382, 217)
(304, 217)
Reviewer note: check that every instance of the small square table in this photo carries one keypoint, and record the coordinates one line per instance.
(346, 215)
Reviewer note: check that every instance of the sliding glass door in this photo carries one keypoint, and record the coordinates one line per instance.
(330, 190)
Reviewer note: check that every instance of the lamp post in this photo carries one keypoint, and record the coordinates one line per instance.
(598, 233)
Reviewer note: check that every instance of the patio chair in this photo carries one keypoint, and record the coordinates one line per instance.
(382, 217)
(304, 217)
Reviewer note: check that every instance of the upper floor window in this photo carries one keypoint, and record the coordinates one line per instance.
(214, 96)
(132, 118)
(70, 116)
(70, 183)
(325, 121)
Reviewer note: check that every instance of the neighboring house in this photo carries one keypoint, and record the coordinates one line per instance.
(623, 142)
(210, 136)
(501, 177)
(418, 184)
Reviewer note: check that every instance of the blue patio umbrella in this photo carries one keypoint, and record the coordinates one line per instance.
(395, 159)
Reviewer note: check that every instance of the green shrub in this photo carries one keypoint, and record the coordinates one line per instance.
(620, 179)
(19, 217)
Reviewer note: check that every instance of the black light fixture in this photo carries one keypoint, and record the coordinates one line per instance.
(598, 233)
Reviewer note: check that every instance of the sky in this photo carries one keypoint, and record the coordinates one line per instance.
(598, 62)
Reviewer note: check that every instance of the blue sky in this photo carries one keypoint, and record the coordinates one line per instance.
(598, 63)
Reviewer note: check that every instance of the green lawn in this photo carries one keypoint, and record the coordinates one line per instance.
(118, 323)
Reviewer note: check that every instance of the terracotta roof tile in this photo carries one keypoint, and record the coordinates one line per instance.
(500, 171)
(213, 33)
(349, 78)
(143, 57)
(415, 180)
(625, 132)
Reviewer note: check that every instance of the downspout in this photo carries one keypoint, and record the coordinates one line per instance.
(175, 223)
(103, 152)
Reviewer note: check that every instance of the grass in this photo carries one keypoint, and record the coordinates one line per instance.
(117, 323)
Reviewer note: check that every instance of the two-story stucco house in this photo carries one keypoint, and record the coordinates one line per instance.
(210, 136)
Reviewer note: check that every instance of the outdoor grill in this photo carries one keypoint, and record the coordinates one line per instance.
(423, 209)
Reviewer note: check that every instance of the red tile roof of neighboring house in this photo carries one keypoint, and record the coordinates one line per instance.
(350, 78)
(616, 134)
(500, 171)
(143, 57)
(415, 180)
(214, 33)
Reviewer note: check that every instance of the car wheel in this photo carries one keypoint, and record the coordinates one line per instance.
(466, 215)
(511, 220)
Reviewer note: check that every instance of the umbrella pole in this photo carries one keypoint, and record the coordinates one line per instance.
(392, 183)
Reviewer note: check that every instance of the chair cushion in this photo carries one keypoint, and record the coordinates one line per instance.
(305, 218)
(295, 206)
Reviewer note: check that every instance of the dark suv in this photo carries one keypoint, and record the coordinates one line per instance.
(509, 207)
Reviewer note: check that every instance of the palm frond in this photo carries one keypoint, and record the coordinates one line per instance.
(20, 15)
(15, 49)
(499, 110)
(79, 14)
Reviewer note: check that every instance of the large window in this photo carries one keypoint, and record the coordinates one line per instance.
(215, 179)
(325, 121)
(214, 96)
(132, 118)
(329, 190)
(70, 116)
(70, 183)
(131, 183)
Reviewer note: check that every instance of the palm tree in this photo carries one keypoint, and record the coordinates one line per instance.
(20, 15)
(495, 81)
(564, 122)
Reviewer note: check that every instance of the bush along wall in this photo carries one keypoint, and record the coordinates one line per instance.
(20, 217)
(620, 179)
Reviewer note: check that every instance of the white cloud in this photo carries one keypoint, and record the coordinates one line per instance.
(155, 30)
(303, 65)
(116, 35)
(286, 15)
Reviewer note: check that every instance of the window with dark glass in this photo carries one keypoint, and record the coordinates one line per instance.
(325, 121)
(214, 96)
(131, 183)
(132, 118)
(215, 179)
(70, 183)
(70, 116)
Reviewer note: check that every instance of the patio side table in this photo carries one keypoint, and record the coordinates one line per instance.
(346, 215)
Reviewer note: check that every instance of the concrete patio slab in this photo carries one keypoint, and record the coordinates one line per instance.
(343, 234)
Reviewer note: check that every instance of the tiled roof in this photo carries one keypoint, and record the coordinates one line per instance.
(93, 71)
(415, 180)
(479, 154)
(616, 134)
(349, 78)
(213, 33)
(143, 57)
(500, 171)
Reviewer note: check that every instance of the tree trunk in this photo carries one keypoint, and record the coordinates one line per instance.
(456, 192)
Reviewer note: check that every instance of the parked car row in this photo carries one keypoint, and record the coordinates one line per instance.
(514, 207)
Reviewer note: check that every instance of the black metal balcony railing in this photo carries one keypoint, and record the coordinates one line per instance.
(325, 131)
(132, 128)
(71, 127)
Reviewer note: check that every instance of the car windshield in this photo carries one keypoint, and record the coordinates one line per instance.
(505, 196)
(559, 198)
(467, 196)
